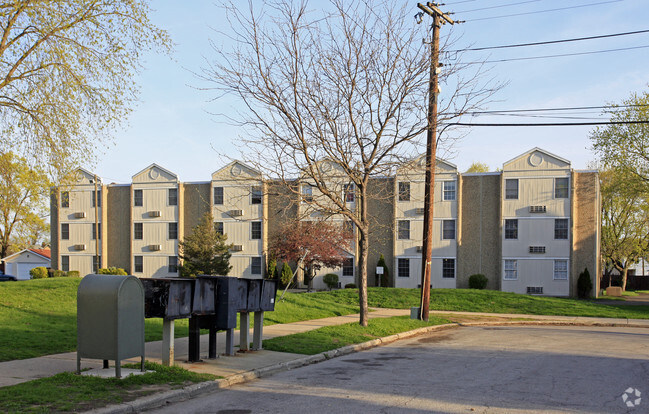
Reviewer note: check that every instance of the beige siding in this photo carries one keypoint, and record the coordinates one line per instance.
(536, 273)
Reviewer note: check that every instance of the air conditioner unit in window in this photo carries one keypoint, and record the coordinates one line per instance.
(420, 249)
(79, 247)
(537, 209)
(537, 249)
(154, 214)
(420, 211)
(155, 247)
(237, 248)
(236, 213)
(80, 214)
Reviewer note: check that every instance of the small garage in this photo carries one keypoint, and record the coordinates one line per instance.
(19, 264)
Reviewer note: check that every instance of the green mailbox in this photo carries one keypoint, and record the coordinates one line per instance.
(110, 319)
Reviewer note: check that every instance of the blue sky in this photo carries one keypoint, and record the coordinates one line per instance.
(172, 125)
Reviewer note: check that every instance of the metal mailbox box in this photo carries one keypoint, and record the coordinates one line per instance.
(268, 295)
(110, 319)
(232, 296)
(204, 302)
(168, 298)
(254, 294)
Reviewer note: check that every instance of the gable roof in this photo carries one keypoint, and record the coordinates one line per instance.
(548, 153)
(154, 165)
(239, 163)
(44, 253)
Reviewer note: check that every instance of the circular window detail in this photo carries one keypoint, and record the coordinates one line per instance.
(154, 174)
(236, 170)
(536, 159)
(326, 167)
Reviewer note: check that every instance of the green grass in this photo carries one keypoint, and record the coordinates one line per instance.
(68, 392)
(333, 337)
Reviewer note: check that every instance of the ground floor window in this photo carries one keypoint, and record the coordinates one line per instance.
(511, 270)
(173, 264)
(448, 268)
(348, 267)
(560, 270)
(255, 265)
(65, 263)
(138, 264)
(96, 263)
(403, 268)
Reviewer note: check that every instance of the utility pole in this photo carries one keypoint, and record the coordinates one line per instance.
(439, 18)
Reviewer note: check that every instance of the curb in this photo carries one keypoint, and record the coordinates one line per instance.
(161, 399)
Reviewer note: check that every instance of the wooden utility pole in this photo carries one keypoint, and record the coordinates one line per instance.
(439, 18)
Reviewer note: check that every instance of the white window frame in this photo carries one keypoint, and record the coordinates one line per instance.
(65, 263)
(444, 261)
(348, 264)
(446, 193)
(170, 198)
(65, 199)
(401, 193)
(172, 264)
(256, 194)
(567, 229)
(556, 187)
(349, 190)
(253, 265)
(516, 229)
(169, 226)
(400, 229)
(135, 199)
(444, 230)
(136, 264)
(560, 273)
(141, 231)
(399, 261)
(510, 270)
(307, 193)
(252, 230)
(221, 195)
(518, 188)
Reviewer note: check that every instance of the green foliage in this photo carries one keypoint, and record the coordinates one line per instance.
(73, 273)
(68, 75)
(38, 273)
(331, 280)
(204, 252)
(351, 286)
(478, 167)
(385, 277)
(112, 271)
(286, 276)
(271, 272)
(478, 281)
(584, 284)
(58, 273)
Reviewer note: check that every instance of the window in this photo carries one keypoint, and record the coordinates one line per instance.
(173, 231)
(448, 229)
(561, 188)
(255, 230)
(137, 198)
(404, 191)
(511, 229)
(138, 264)
(218, 227)
(94, 231)
(98, 198)
(348, 227)
(510, 270)
(65, 199)
(307, 193)
(256, 194)
(348, 267)
(255, 265)
(138, 233)
(65, 263)
(349, 193)
(449, 190)
(65, 231)
(173, 196)
(560, 270)
(173, 264)
(403, 267)
(403, 230)
(511, 189)
(448, 268)
(561, 229)
(96, 264)
(218, 195)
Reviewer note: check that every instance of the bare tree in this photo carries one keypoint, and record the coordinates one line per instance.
(347, 84)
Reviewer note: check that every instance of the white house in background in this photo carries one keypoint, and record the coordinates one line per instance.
(19, 264)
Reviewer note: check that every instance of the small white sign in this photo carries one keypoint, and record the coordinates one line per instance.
(379, 270)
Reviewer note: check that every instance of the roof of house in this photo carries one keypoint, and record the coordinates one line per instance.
(44, 253)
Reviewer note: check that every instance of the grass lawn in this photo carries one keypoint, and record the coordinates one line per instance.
(68, 392)
(333, 337)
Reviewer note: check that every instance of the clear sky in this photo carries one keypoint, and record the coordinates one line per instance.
(172, 125)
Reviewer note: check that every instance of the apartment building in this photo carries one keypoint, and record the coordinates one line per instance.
(530, 228)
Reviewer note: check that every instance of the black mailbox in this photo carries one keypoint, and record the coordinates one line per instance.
(231, 294)
(254, 294)
(204, 295)
(268, 295)
(168, 298)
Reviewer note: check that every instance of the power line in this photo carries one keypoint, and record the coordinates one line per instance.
(548, 42)
(547, 124)
(559, 55)
(497, 7)
(573, 108)
(544, 11)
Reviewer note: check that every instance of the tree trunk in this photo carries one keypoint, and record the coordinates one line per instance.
(362, 265)
(624, 274)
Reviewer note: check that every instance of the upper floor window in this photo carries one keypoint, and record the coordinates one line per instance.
(511, 189)
(511, 270)
(448, 268)
(173, 231)
(65, 199)
(95, 229)
(65, 231)
(218, 195)
(404, 191)
(561, 229)
(65, 263)
(511, 229)
(349, 193)
(561, 187)
(138, 264)
(97, 197)
(403, 230)
(96, 263)
(173, 196)
(173, 264)
(137, 198)
(403, 267)
(449, 190)
(448, 229)
(256, 194)
(218, 227)
(348, 267)
(307, 193)
(255, 230)
(255, 265)
(138, 231)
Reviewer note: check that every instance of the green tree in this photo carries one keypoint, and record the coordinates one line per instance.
(385, 277)
(205, 251)
(478, 167)
(23, 203)
(67, 74)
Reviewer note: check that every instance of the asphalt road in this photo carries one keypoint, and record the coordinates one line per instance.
(471, 369)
